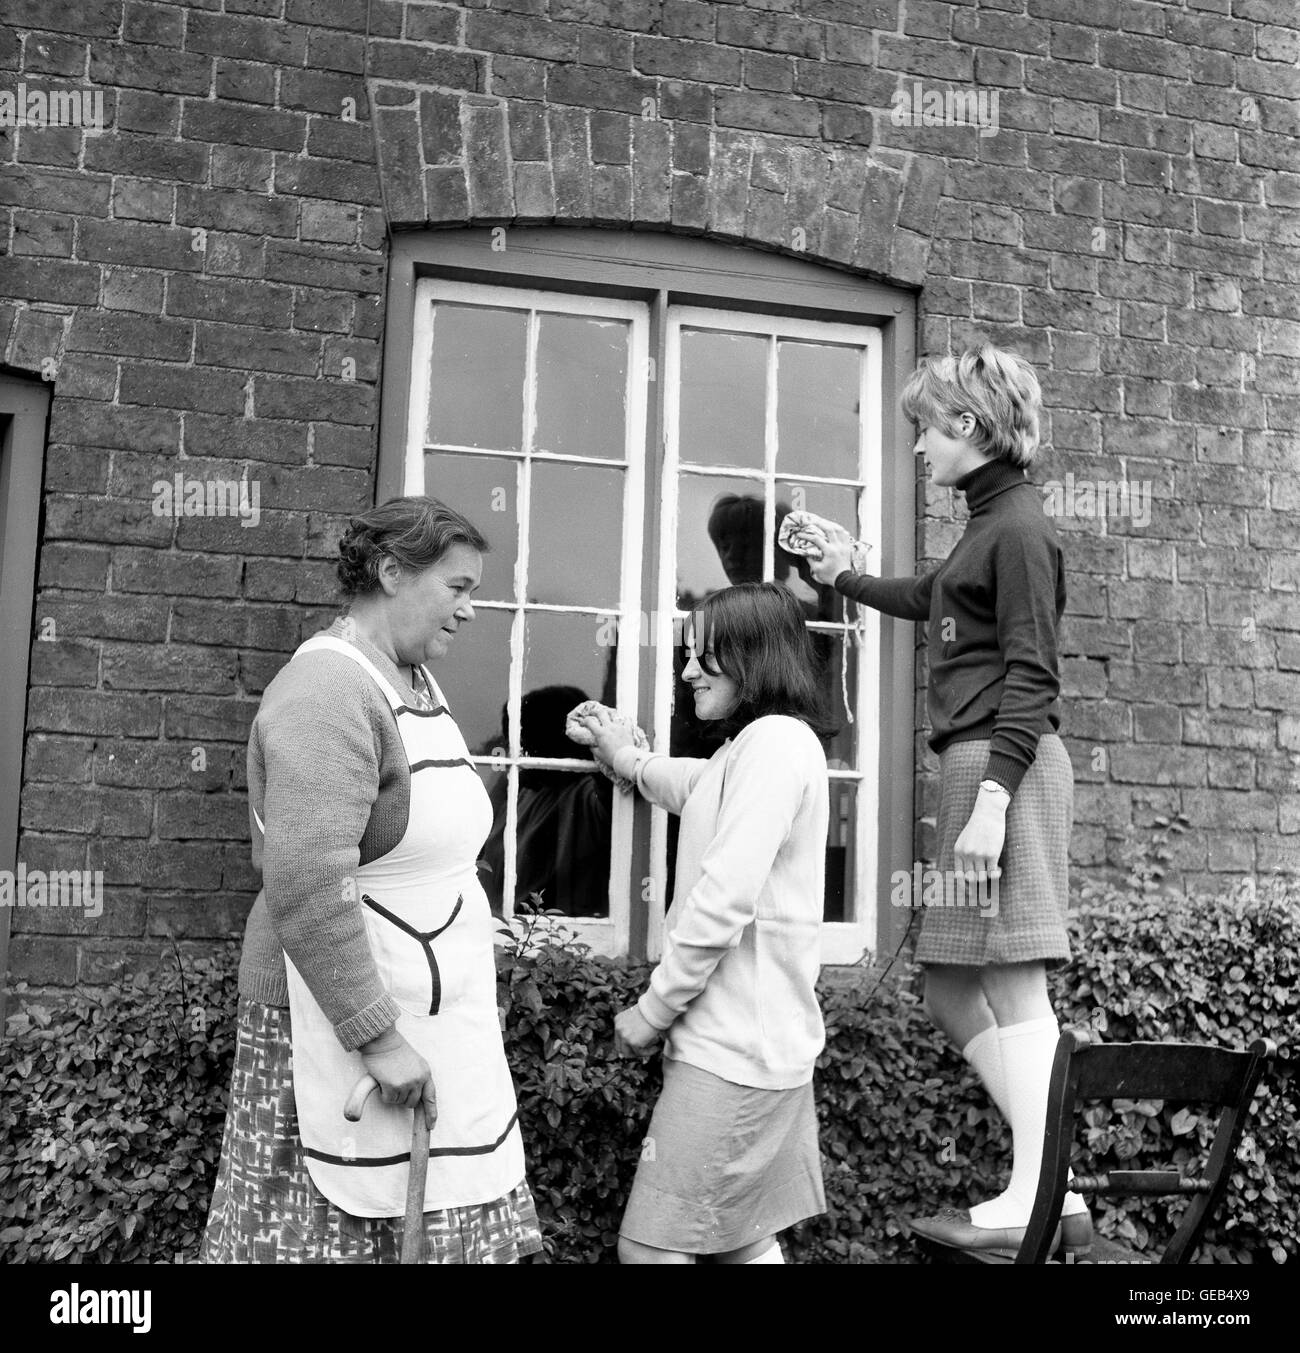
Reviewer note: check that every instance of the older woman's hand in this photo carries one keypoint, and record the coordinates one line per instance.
(611, 737)
(403, 1075)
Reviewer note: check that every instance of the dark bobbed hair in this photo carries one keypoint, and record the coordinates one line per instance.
(416, 530)
(759, 639)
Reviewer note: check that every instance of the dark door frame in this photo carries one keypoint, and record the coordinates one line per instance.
(24, 409)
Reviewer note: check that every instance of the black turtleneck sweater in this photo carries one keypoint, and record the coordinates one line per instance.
(994, 607)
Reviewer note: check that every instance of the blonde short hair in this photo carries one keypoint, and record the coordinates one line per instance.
(998, 389)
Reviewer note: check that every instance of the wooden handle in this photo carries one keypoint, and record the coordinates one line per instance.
(361, 1092)
(413, 1228)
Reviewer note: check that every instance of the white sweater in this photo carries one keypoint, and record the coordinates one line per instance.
(735, 986)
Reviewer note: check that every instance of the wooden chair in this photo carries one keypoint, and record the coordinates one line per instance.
(1086, 1068)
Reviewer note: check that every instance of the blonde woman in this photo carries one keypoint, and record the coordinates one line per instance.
(993, 609)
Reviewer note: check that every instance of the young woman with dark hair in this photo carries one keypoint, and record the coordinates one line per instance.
(731, 1155)
(993, 607)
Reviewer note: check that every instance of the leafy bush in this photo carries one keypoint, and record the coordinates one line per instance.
(1154, 964)
(111, 1109)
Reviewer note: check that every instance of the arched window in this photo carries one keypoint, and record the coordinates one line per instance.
(628, 417)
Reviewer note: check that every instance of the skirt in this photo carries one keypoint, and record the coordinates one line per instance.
(1032, 898)
(266, 1210)
(723, 1165)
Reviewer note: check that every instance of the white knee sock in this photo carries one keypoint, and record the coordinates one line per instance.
(984, 1053)
(772, 1255)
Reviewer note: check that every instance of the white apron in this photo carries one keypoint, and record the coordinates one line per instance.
(430, 929)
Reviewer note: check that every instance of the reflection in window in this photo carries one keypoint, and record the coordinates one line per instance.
(477, 377)
(841, 865)
(562, 649)
(562, 837)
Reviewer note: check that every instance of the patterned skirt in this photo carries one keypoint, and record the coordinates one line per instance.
(1032, 898)
(266, 1210)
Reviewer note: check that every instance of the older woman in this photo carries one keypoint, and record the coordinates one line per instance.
(369, 948)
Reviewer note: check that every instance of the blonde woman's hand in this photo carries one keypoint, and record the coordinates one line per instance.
(837, 552)
(634, 1035)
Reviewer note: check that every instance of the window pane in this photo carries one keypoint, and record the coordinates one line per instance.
(820, 601)
(841, 852)
(576, 546)
(835, 679)
(475, 678)
(817, 415)
(719, 535)
(486, 490)
(476, 387)
(581, 385)
(723, 386)
(573, 652)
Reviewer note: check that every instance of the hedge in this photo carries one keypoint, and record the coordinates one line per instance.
(111, 1106)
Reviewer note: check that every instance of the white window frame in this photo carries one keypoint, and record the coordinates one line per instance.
(606, 935)
(842, 941)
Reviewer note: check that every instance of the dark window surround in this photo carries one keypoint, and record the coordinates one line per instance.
(668, 269)
(24, 407)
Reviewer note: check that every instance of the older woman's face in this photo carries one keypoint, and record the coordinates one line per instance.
(430, 606)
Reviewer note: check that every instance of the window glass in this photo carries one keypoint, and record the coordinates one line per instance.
(475, 678)
(581, 386)
(723, 384)
(486, 490)
(477, 377)
(719, 535)
(576, 542)
(817, 419)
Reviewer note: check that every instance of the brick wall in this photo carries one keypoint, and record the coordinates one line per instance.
(195, 280)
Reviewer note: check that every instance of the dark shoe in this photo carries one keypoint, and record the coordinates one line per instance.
(953, 1227)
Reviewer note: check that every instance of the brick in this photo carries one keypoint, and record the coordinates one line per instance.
(92, 18)
(234, 301)
(336, 180)
(344, 402)
(164, 573)
(52, 280)
(769, 32)
(312, 266)
(38, 959)
(205, 717)
(52, 190)
(190, 388)
(425, 65)
(537, 39)
(58, 760)
(169, 667)
(239, 125)
(162, 765)
(763, 112)
(92, 712)
(611, 90)
(232, 345)
(97, 811)
(150, 68)
(244, 82)
(700, 61)
(131, 336)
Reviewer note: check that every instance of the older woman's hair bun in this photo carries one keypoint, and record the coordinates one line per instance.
(416, 530)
